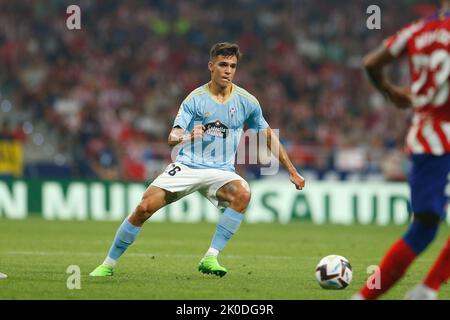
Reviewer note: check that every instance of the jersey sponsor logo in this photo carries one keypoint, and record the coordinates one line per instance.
(216, 129)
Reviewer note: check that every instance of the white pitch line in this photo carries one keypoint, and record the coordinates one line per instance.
(132, 254)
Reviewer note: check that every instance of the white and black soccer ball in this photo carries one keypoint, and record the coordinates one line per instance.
(334, 272)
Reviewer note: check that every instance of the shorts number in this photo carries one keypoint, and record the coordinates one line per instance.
(174, 170)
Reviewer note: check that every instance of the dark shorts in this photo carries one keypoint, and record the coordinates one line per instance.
(429, 179)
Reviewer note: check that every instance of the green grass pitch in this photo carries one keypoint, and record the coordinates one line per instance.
(264, 261)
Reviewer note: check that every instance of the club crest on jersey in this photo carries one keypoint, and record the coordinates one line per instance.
(232, 111)
(216, 129)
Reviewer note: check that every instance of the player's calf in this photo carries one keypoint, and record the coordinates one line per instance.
(440, 271)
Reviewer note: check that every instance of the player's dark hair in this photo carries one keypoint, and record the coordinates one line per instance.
(225, 49)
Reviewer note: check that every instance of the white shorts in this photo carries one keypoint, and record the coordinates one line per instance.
(182, 180)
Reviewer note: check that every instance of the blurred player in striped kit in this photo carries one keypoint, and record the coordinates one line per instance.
(426, 43)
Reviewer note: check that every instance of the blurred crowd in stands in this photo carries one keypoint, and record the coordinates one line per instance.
(99, 102)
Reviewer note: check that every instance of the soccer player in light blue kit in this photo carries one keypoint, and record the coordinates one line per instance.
(207, 131)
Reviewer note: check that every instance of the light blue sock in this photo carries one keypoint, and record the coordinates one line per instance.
(124, 237)
(228, 224)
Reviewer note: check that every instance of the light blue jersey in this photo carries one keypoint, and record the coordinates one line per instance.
(224, 124)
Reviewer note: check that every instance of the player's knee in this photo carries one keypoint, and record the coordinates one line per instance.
(245, 185)
(242, 198)
(143, 209)
(422, 231)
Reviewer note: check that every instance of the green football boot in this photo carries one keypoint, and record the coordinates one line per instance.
(210, 265)
(102, 271)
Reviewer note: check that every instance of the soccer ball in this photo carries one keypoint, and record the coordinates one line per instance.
(334, 272)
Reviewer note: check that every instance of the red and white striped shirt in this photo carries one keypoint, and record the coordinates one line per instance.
(427, 44)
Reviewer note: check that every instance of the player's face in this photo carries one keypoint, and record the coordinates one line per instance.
(222, 70)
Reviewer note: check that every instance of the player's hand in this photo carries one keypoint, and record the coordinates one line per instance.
(401, 97)
(197, 132)
(297, 180)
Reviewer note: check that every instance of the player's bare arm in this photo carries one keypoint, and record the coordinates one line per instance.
(277, 149)
(179, 135)
(374, 64)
